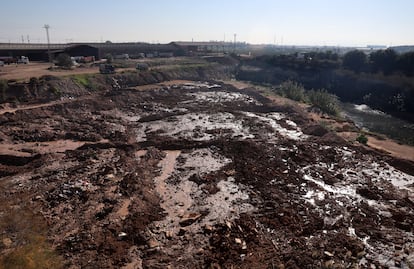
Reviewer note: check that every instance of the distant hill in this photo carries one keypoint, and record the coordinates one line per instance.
(403, 49)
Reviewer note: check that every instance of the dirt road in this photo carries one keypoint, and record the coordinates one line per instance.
(38, 69)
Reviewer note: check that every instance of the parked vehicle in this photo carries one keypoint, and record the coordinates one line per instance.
(1, 63)
(124, 56)
(8, 60)
(84, 59)
(106, 69)
(142, 66)
(22, 60)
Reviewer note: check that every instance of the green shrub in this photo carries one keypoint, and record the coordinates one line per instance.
(326, 102)
(362, 139)
(292, 90)
(64, 60)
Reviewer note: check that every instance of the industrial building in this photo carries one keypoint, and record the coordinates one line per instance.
(39, 52)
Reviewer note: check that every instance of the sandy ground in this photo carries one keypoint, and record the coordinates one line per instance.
(398, 150)
(38, 69)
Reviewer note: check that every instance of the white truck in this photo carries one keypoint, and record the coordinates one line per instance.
(22, 60)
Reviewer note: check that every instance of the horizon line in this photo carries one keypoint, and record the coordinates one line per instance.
(210, 41)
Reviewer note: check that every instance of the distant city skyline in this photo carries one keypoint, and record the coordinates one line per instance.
(295, 22)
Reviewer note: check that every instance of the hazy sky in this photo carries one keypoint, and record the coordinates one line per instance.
(296, 22)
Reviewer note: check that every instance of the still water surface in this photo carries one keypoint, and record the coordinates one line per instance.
(380, 122)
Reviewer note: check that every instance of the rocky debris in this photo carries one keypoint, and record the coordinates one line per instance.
(7, 242)
(189, 219)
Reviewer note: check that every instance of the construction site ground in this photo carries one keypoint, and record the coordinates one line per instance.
(38, 69)
(196, 175)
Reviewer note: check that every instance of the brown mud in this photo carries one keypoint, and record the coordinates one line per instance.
(201, 175)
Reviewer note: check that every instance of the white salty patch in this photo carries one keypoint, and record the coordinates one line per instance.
(229, 202)
(272, 118)
(198, 85)
(204, 161)
(222, 96)
(341, 190)
(387, 173)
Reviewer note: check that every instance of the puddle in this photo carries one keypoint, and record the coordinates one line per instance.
(195, 126)
(199, 85)
(180, 196)
(175, 201)
(221, 96)
(204, 127)
(203, 161)
(228, 203)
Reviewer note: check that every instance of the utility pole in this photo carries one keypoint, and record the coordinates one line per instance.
(48, 42)
(235, 35)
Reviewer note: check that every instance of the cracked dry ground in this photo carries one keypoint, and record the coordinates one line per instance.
(201, 175)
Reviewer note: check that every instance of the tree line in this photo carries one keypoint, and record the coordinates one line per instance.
(323, 70)
(385, 61)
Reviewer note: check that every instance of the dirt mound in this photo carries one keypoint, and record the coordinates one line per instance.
(315, 130)
(404, 165)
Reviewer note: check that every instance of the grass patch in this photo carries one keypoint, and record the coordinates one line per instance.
(326, 102)
(292, 90)
(84, 80)
(25, 235)
(35, 254)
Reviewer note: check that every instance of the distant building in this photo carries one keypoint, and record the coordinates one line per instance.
(204, 47)
(39, 52)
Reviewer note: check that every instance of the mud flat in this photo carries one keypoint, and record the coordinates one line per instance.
(200, 175)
